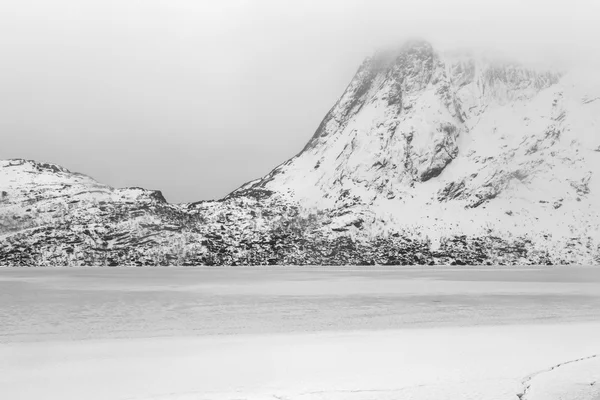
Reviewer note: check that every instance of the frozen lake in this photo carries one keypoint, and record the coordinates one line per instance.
(299, 333)
(43, 304)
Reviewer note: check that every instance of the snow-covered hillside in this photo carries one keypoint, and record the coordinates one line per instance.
(452, 144)
(426, 158)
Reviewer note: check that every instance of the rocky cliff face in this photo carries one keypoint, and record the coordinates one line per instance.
(426, 158)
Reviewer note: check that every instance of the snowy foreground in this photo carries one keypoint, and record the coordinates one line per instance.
(448, 363)
(553, 358)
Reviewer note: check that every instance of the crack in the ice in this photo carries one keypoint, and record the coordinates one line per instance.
(527, 381)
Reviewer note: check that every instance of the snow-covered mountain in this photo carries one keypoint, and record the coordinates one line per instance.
(427, 157)
(451, 144)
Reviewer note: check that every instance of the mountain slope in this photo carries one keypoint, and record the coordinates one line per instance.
(427, 158)
(454, 144)
(51, 215)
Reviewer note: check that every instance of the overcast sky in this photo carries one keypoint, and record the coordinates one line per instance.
(195, 97)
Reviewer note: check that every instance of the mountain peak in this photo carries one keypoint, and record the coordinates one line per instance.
(427, 157)
(418, 48)
(424, 133)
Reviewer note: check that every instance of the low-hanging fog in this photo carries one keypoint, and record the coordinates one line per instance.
(195, 97)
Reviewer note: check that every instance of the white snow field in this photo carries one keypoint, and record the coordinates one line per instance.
(299, 333)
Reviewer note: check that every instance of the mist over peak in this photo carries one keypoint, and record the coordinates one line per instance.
(202, 84)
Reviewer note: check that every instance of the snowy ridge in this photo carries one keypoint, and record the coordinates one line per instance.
(24, 177)
(426, 158)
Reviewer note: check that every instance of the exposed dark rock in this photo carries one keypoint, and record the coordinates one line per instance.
(451, 191)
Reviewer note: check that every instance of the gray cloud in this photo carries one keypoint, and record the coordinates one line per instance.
(196, 97)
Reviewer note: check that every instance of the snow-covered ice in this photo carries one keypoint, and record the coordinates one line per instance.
(267, 349)
(442, 363)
